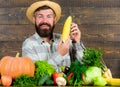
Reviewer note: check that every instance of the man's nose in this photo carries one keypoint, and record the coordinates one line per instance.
(44, 19)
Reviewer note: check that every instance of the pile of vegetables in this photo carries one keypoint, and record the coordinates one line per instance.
(37, 73)
(42, 76)
(92, 71)
(12, 67)
(89, 72)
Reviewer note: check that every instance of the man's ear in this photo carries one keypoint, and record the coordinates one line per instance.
(33, 20)
(55, 20)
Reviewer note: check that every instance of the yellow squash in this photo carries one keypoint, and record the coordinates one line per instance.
(113, 81)
(66, 28)
(109, 79)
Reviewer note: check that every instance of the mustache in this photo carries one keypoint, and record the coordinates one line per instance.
(45, 24)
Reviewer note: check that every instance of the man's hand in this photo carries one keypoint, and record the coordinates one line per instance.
(75, 33)
(63, 47)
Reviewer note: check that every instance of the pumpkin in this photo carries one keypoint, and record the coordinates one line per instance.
(6, 80)
(16, 66)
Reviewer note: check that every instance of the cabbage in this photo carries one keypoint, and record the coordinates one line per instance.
(42, 68)
(99, 81)
(91, 73)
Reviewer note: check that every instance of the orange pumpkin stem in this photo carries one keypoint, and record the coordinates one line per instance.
(17, 55)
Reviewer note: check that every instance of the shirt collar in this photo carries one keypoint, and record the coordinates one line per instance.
(41, 40)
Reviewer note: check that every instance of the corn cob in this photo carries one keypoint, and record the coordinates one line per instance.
(66, 28)
(113, 81)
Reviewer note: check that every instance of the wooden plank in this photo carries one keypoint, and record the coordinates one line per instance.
(15, 32)
(111, 50)
(15, 3)
(80, 15)
(100, 29)
(94, 3)
(112, 55)
(101, 37)
(109, 63)
(63, 3)
(10, 48)
(116, 74)
(104, 45)
(95, 15)
(13, 16)
(26, 3)
(114, 66)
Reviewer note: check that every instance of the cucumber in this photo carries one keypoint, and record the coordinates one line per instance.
(43, 79)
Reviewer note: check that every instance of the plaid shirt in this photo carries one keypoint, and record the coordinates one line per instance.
(37, 49)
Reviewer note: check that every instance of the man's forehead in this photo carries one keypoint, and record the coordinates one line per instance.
(47, 11)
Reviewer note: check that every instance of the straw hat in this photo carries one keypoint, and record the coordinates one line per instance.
(55, 7)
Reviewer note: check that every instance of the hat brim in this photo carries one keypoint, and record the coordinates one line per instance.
(54, 6)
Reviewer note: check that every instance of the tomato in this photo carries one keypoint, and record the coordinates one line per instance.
(6, 80)
(56, 75)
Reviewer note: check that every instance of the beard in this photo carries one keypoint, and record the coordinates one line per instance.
(44, 32)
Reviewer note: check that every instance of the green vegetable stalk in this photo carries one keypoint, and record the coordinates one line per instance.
(93, 57)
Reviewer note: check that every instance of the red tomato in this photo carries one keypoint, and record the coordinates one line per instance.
(55, 75)
(6, 80)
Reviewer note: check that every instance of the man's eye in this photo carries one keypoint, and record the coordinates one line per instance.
(49, 16)
(40, 16)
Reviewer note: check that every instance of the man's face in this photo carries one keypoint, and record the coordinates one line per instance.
(44, 22)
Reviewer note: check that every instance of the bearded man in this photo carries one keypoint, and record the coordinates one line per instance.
(45, 45)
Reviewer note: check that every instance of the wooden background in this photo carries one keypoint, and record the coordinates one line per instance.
(98, 20)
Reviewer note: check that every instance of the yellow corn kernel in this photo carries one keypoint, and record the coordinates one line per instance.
(66, 28)
(113, 81)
